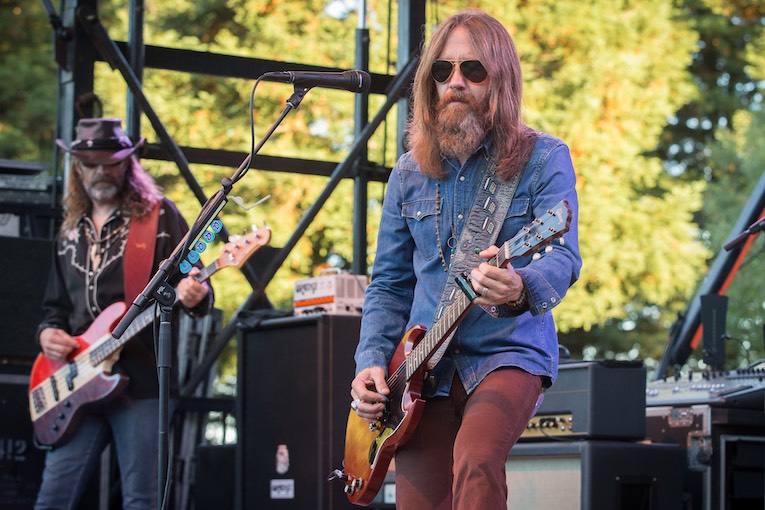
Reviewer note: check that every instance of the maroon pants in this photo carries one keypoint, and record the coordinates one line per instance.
(456, 456)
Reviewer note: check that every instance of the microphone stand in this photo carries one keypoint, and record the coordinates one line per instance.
(755, 227)
(164, 294)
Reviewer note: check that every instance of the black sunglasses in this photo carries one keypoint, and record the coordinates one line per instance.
(473, 70)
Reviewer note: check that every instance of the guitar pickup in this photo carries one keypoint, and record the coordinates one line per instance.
(38, 399)
(54, 387)
(71, 375)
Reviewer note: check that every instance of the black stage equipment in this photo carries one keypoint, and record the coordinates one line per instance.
(27, 262)
(595, 475)
(714, 308)
(293, 398)
(592, 400)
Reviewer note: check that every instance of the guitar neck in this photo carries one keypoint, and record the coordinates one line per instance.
(437, 334)
(110, 345)
(207, 272)
(143, 319)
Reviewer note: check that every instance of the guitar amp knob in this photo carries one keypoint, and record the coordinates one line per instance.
(541, 427)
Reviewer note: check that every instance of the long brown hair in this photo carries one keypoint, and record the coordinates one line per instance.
(138, 196)
(493, 46)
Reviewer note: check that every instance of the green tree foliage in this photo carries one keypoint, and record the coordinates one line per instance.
(605, 76)
(28, 77)
(722, 77)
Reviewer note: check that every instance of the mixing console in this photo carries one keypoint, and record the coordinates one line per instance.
(735, 388)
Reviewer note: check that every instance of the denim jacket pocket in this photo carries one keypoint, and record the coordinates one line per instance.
(421, 218)
(518, 207)
(516, 218)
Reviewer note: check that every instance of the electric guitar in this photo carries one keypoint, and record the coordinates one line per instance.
(369, 448)
(60, 390)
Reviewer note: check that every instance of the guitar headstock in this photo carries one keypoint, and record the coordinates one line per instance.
(240, 247)
(539, 233)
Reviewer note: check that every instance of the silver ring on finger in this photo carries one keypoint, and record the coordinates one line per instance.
(485, 291)
(355, 405)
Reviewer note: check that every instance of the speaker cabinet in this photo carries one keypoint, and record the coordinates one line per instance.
(292, 407)
(27, 264)
(595, 475)
(21, 464)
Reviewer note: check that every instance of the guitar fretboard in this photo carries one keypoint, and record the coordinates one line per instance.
(109, 346)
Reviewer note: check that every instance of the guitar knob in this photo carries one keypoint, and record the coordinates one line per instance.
(348, 489)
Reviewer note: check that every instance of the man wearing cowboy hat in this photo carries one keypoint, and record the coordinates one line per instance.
(117, 229)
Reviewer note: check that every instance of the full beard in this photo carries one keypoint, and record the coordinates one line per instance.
(104, 190)
(461, 124)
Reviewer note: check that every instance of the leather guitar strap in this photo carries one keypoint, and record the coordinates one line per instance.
(139, 253)
(484, 222)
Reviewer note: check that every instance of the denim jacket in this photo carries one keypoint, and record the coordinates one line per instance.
(408, 276)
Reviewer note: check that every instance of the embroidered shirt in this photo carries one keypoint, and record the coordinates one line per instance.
(87, 276)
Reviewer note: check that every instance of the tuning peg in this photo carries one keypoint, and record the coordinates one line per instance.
(536, 256)
(562, 241)
(548, 248)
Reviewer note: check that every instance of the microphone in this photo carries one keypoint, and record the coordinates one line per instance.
(352, 81)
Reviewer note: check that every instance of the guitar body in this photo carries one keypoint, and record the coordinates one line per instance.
(369, 452)
(59, 391)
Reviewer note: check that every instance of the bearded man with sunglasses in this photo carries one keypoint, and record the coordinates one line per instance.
(480, 390)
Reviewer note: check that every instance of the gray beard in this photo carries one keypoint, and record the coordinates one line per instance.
(103, 192)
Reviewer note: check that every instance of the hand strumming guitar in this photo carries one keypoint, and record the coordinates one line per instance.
(57, 343)
(370, 403)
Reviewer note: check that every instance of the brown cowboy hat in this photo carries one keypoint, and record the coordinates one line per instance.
(101, 141)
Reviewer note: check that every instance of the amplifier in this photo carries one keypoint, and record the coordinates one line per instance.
(593, 399)
(595, 475)
(340, 294)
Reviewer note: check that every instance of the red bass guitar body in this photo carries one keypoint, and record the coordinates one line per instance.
(61, 390)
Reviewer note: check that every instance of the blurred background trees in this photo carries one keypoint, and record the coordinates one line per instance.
(660, 102)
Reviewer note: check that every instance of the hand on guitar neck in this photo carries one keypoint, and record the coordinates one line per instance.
(190, 291)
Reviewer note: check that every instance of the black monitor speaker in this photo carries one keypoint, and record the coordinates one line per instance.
(293, 397)
(27, 265)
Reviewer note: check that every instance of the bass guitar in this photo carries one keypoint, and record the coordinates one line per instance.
(369, 448)
(59, 391)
